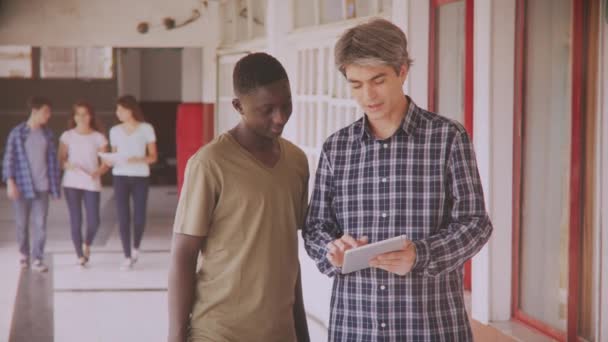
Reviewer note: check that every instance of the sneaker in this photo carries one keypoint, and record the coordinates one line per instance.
(126, 265)
(134, 255)
(86, 251)
(82, 262)
(24, 263)
(39, 266)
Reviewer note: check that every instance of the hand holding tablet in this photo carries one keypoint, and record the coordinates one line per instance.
(359, 258)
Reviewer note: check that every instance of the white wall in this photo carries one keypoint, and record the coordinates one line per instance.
(102, 23)
(192, 74)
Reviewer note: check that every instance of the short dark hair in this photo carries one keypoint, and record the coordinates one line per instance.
(37, 102)
(129, 102)
(255, 70)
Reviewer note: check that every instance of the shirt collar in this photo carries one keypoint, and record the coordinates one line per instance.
(408, 124)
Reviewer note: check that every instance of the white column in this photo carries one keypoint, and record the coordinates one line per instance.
(209, 55)
(399, 17)
(192, 74)
(418, 40)
(482, 128)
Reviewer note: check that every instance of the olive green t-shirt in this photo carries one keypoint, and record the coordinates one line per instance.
(249, 214)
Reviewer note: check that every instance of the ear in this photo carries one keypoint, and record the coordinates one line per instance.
(236, 103)
(403, 72)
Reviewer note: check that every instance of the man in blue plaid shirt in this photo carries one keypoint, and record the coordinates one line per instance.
(31, 172)
(399, 170)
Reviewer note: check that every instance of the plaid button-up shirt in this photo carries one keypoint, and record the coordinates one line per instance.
(422, 182)
(15, 164)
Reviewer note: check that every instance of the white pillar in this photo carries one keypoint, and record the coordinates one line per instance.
(482, 128)
(209, 55)
(418, 40)
(192, 74)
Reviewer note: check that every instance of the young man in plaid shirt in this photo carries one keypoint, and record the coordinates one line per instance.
(399, 170)
(31, 172)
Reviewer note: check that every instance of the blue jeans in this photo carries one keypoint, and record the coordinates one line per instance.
(34, 211)
(126, 187)
(74, 198)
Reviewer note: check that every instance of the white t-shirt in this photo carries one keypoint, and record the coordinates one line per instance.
(132, 145)
(82, 152)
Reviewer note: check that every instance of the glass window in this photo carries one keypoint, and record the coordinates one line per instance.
(450, 60)
(545, 209)
(90, 62)
(16, 61)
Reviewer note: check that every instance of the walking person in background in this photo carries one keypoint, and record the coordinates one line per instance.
(78, 148)
(31, 172)
(134, 141)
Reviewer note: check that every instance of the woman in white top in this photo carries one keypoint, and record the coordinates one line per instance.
(78, 148)
(134, 142)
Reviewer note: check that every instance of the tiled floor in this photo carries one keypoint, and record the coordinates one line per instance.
(103, 304)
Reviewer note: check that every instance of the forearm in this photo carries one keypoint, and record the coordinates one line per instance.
(316, 237)
(451, 248)
(181, 298)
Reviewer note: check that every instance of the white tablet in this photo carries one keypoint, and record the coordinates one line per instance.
(358, 258)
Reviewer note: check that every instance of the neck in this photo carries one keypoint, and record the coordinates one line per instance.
(250, 140)
(384, 127)
(32, 123)
(82, 128)
(131, 122)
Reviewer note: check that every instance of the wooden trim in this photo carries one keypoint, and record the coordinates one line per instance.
(432, 57)
(518, 140)
(437, 3)
(576, 167)
(540, 326)
(469, 91)
(589, 229)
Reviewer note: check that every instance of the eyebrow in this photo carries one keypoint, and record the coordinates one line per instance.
(382, 74)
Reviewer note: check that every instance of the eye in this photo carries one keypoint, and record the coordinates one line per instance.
(355, 85)
(379, 80)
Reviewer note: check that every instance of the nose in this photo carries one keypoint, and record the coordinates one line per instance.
(280, 117)
(369, 92)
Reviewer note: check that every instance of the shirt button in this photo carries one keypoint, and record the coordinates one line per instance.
(383, 180)
(382, 287)
(385, 145)
(383, 325)
(383, 214)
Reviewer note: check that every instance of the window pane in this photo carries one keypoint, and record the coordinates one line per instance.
(304, 13)
(56, 62)
(449, 80)
(15, 61)
(331, 11)
(546, 162)
(90, 62)
(259, 18)
(95, 62)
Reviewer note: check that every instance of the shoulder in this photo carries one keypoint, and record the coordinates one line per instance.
(344, 137)
(295, 155)
(146, 127)
(66, 135)
(435, 123)
(212, 153)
